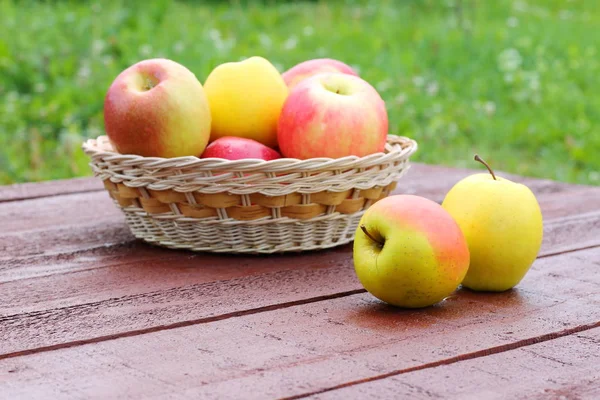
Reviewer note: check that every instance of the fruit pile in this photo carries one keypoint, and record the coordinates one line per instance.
(245, 109)
(408, 251)
(411, 252)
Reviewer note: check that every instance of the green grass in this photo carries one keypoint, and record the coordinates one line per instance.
(515, 81)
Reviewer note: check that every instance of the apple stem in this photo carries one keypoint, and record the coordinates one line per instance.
(364, 229)
(477, 158)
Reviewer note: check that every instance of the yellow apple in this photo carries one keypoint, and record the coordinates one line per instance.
(409, 252)
(246, 98)
(502, 223)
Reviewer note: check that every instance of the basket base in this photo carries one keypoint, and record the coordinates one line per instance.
(274, 236)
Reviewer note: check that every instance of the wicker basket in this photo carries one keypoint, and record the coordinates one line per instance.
(247, 206)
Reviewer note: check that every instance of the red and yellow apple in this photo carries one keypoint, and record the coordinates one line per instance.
(308, 68)
(332, 115)
(245, 100)
(157, 108)
(237, 148)
(409, 252)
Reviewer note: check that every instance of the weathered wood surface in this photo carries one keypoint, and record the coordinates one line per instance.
(82, 303)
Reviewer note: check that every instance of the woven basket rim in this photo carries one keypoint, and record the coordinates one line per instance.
(396, 147)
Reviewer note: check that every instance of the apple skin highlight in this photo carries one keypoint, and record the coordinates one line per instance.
(425, 256)
(309, 68)
(318, 122)
(157, 108)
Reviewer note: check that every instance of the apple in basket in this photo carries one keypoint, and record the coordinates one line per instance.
(239, 148)
(157, 108)
(332, 115)
(308, 68)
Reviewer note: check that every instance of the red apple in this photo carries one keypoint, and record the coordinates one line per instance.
(332, 115)
(309, 68)
(238, 148)
(157, 108)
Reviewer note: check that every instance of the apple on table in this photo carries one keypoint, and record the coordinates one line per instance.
(309, 68)
(503, 225)
(157, 108)
(409, 252)
(332, 115)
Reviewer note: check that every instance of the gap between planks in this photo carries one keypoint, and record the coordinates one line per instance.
(201, 320)
(180, 324)
(452, 360)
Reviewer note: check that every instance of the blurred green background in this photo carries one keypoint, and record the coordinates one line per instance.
(516, 81)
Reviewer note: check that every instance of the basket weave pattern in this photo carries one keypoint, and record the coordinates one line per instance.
(247, 206)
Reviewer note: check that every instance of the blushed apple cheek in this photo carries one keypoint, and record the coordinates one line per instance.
(444, 235)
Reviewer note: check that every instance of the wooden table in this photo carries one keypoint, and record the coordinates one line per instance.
(87, 312)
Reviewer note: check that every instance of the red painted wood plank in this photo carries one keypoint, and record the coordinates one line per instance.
(65, 228)
(157, 286)
(32, 190)
(565, 368)
(57, 211)
(305, 348)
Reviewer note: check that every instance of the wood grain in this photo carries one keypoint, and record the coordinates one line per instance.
(46, 231)
(140, 287)
(32, 190)
(81, 301)
(305, 348)
(565, 368)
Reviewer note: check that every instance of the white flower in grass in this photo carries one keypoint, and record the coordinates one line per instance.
(145, 50)
(12, 96)
(534, 82)
(400, 99)
(265, 40)
(84, 72)
(384, 85)
(594, 176)
(510, 60)
(452, 129)
(214, 35)
(565, 14)
(432, 88)
(418, 81)
(178, 47)
(512, 22)
(290, 43)
(98, 46)
(39, 87)
(308, 30)
(489, 107)
(107, 60)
